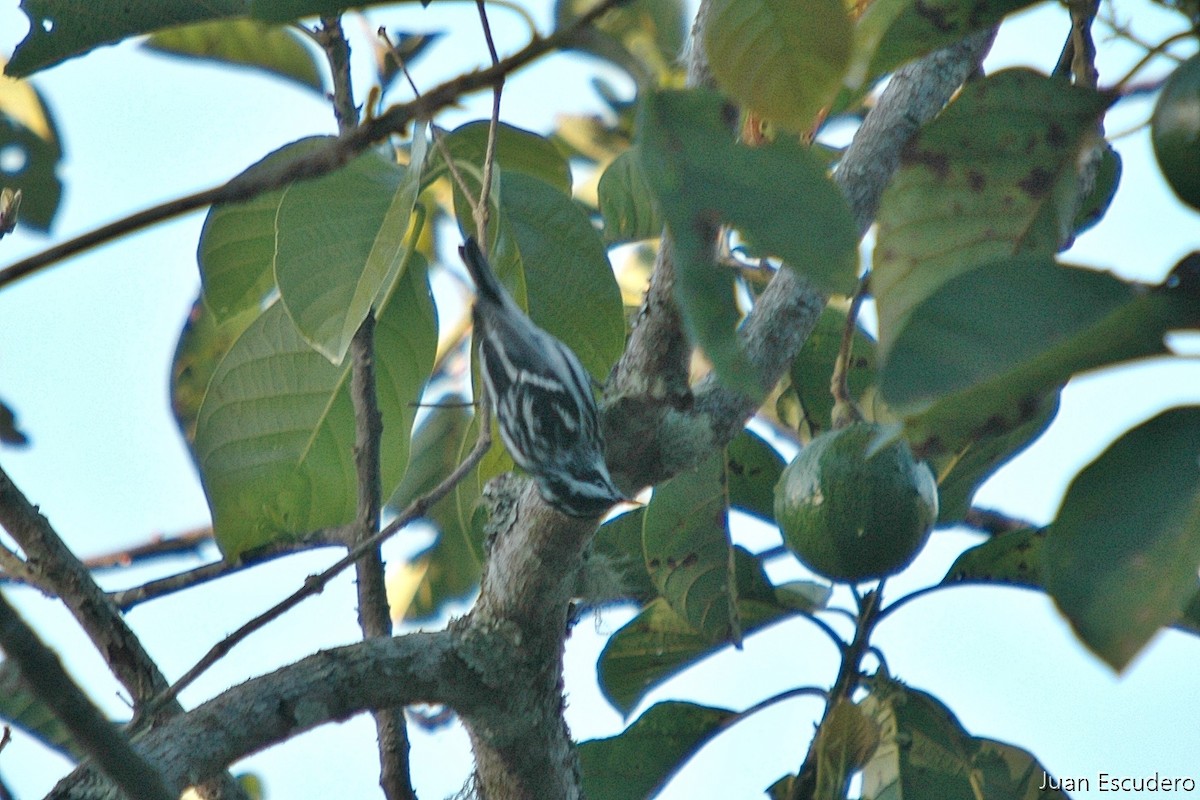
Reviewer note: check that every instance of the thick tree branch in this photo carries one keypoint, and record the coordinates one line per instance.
(92, 732)
(329, 686)
(59, 570)
(655, 440)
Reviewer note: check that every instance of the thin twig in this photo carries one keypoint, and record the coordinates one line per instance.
(90, 729)
(482, 212)
(321, 162)
(316, 583)
(374, 615)
(849, 674)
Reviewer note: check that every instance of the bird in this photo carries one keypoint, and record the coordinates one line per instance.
(542, 399)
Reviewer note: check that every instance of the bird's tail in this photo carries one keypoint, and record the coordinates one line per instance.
(486, 283)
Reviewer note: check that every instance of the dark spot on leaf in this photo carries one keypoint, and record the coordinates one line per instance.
(736, 467)
(654, 563)
(937, 162)
(1028, 407)
(1037, 183)
(1056, 136)
(937, 17)
(975, 180)
(930, 447)
(689, 560)
(671, 562)
(993, 426)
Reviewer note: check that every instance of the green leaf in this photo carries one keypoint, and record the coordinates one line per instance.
(202, 344)
(289, 10)
(1020, 327)
(781, 59)
(627, 202)
(778, 197)
(925, 752)
(60, 29)
(994, 175)
(638, 763)
(1013, 558)
(645, 37)
(1122, 554)
(963, 461)
(275, 434)
(1097, 201)
(658, 644)
(753, 468)
(339, 243)
(20, 707)
(891, 32)
(547, 239)
(618, 545)
(688, 552)
(244, 42)
(843, 743)
(517, 150)
(812, 368)
(237, 243)
(28, 135)
(449, 569)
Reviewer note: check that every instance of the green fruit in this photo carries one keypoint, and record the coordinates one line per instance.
(853, 516)
(1175, 131)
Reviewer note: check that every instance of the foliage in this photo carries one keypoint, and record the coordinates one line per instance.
(979, 326)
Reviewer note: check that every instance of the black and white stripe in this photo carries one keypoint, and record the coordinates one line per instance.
(542, 397)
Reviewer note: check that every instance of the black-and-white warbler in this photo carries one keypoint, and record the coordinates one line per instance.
(542, 397)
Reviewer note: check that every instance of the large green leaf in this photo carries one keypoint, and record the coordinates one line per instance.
(237, 243)
(448, 569)
(812, 368)
(891, 32)
(778, 197)
(643, 36)
(1122, 554)
(658, 643)
(626, 201)
(753, 468)
(924, 752)
(244, 42)
(339, 244)
(202, 344)
(688, 552)
(288, 10)
(275, 434)
(60, 29)
(29, 135)
(994, 175)
(517, 150)
(617, 551)
(548, 241)
(637, 763)
(1019, 327)
(782, 59)
(1013, 558)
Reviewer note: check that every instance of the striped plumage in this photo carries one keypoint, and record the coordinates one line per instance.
(542, 397)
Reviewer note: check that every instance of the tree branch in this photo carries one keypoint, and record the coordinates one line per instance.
(59, 570)
(321, 162)
(329, 686)
(92, 732)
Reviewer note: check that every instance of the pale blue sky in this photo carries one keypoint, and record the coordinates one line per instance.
(85, 350)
